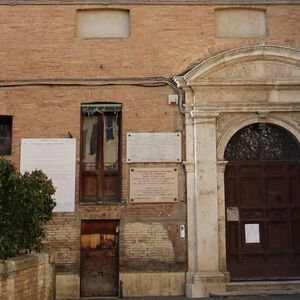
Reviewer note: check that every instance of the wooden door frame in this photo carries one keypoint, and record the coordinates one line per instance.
(223, 140)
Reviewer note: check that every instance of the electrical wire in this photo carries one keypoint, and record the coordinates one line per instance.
(146, 82)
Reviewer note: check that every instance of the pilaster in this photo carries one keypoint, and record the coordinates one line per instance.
(190, 184)
(207, 277)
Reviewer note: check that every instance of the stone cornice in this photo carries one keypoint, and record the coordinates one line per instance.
(241, 107)
(189, 166)
(280, 83)
(221, 165)
(204, 117)
(148, 2)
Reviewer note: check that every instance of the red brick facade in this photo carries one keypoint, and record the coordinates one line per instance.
(46, 73)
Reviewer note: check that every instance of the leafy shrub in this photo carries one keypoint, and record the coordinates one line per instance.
(26, 203)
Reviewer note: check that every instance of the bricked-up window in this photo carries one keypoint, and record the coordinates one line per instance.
(103, 23)
(5, 135)
(240, 23)
(100, 152)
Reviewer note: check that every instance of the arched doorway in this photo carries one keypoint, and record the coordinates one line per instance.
(262, 199)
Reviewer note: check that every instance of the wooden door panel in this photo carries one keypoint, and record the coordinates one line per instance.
(277, 213)
(248, 170)
(295, 188)
(276, 191)
(231, 191)
(266, 194)
(278, 236)
(233, 237)
(99, 273)
(89, 184)
(99, 258)
(251, 214)
(295, 235)
(250, 194)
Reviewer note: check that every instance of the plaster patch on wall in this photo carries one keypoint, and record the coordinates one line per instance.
(240, 23)
(103, 23)
(149, 240)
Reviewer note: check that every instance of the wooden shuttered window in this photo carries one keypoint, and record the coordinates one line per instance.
(100, 152)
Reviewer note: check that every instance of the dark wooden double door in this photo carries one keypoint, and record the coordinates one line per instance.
(263, 220)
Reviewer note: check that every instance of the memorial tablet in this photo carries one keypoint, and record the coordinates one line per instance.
(153, 185)
(57, 159)
(153, 147)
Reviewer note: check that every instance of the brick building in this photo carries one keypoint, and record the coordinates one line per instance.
(221, 77)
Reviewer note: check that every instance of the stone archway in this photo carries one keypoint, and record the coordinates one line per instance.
(262, 187)
(257, 84)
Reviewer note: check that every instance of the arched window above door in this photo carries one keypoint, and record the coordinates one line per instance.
(263, 142)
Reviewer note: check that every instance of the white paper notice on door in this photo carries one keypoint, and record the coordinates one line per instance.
(252, 233)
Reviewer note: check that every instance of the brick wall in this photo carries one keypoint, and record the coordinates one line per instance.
(29, 277)
(55, 111)
(40, 41)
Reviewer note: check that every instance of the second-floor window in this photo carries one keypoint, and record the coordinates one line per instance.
(100, 152)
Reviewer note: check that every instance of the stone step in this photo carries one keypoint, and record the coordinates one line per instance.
(256, 293)
(278, 285)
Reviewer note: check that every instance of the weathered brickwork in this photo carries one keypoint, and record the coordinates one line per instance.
(30, 277)
(63, 240)
(48, 112)
(48, 68)
(164, 41)
(152, 246)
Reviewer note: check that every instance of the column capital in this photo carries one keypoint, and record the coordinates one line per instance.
(204, 117)
(221, 165)
(189, 166)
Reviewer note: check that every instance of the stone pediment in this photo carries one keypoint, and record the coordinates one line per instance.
(258, 65)
(255, 70)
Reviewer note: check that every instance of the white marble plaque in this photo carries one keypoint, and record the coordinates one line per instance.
(153, 185)
(153, 147)
(252, 233)
(57, 159)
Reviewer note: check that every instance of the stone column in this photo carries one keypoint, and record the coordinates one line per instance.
(208, 277)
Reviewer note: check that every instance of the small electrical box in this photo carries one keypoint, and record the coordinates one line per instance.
(182, 231)
(172, 99)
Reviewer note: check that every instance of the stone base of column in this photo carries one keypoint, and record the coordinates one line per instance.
(204, 283)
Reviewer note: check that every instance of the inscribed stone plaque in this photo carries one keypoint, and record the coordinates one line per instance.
(57, 159)
(153, 185)
(153, 147)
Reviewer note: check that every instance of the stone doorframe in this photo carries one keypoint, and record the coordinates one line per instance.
(223, 94)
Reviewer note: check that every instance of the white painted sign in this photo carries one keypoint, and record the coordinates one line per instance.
(252, 233)
(153, 185)
(57, 159)
(153, 147)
